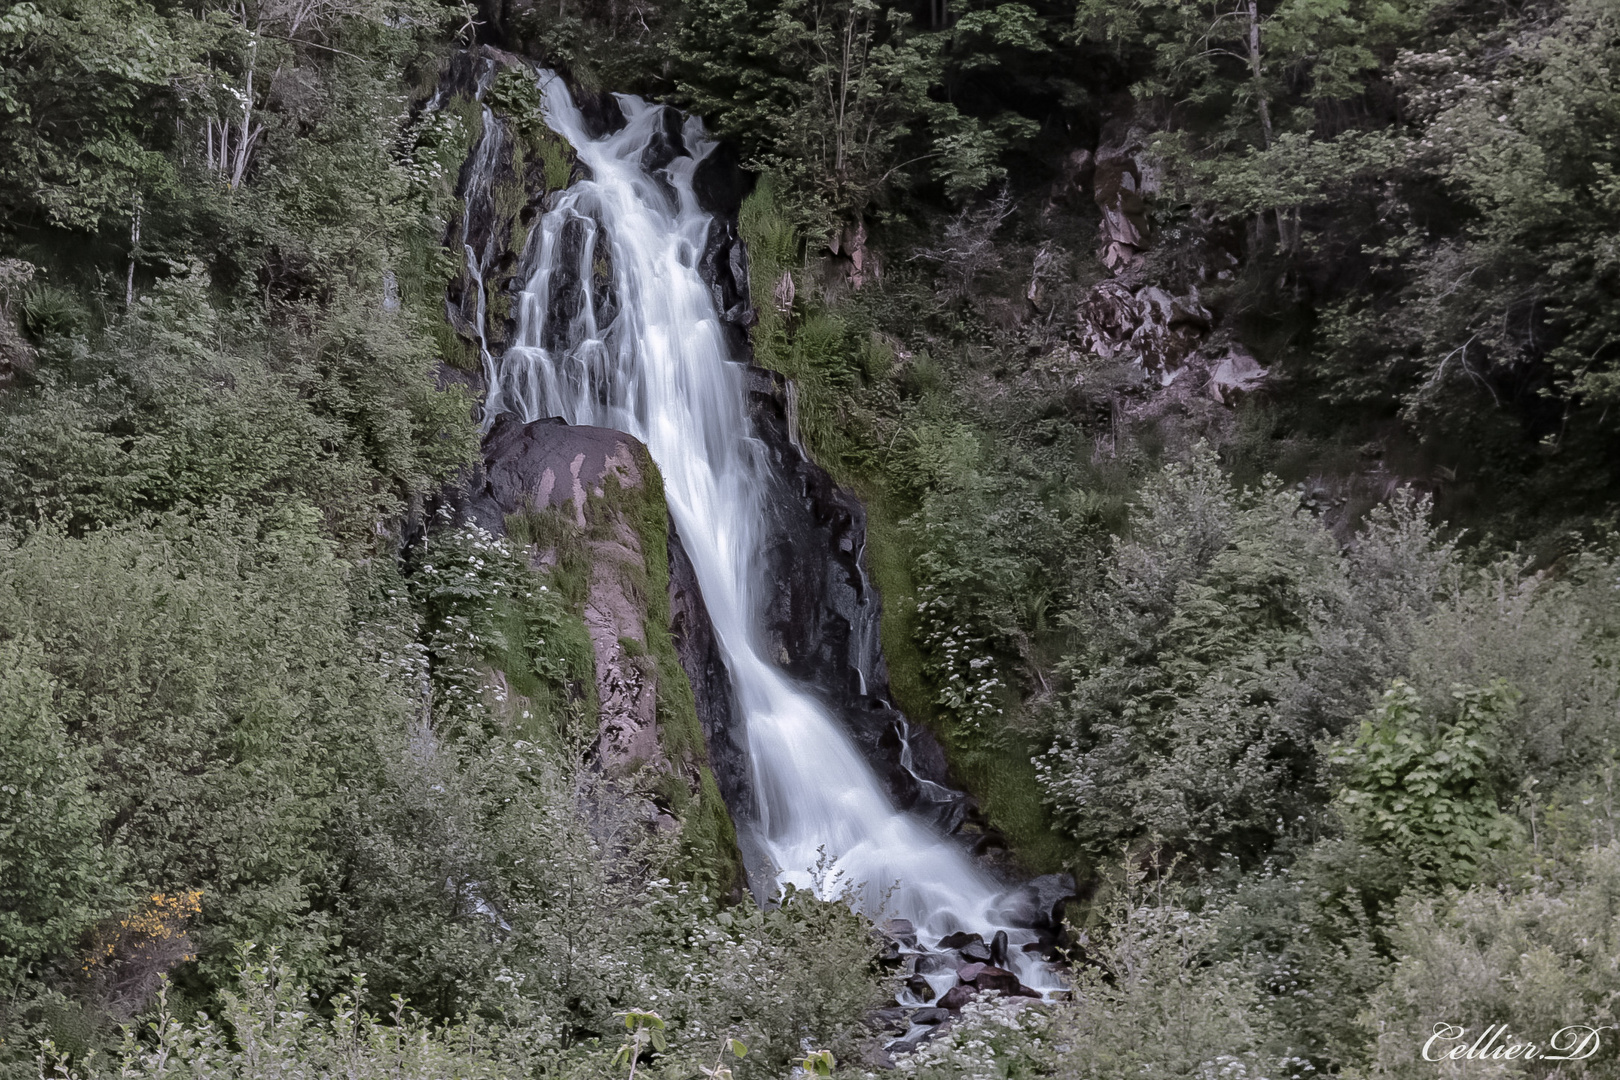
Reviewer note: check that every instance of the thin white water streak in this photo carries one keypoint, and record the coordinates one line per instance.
(617, 329)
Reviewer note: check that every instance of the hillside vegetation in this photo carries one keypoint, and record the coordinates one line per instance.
(1231, 388)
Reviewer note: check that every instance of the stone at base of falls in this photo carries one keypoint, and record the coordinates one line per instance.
(957, 996)
(994, 978)
(978, 952)
(998, 949)
(920, 988)
(930, 1016)
(900, 931)
(1039, 902)
(960, 940)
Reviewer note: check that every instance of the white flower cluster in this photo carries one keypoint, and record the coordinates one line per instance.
(436, 134)
(991, 1038)
(961, 668)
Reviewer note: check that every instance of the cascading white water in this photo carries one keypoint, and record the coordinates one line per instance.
(617, 329)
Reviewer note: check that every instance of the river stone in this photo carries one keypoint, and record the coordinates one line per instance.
(920, 987)
(957, 996)
(998, 949)
(930, 1016)
(960, 939)
(978, 953)
(994, 978)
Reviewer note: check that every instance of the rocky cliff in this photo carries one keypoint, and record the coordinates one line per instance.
(589, 504)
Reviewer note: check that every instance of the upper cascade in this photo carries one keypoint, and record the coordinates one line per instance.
(616, 328)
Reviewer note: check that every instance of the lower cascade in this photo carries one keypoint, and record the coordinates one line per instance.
(616, 328)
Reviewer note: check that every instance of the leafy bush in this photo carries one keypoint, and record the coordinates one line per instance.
(1425, 788)
(1536, 954)
(56, 875)
(186, 404)
(1228, 636)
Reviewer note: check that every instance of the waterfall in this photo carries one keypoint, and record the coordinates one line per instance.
(616, 328)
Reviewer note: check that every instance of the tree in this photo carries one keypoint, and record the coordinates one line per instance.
(835, 97)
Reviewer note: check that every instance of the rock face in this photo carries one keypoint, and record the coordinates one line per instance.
(705, 667)
(1149, 325)
(504, 187)
(822, 621)
(1119, 183)
(579, 472)
(545, 465)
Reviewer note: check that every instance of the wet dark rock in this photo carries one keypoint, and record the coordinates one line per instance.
(957, 996)
(895, 1017)
(601, 111)
(721, 183)
(968, 972)
(930, 1016)
(998, 949)
(994, 978)
(698, 649)
(1039, 903)
(960, 939)
(978, 952)
(724, 267)
(666, 143)
(920, 987)
(901, 932)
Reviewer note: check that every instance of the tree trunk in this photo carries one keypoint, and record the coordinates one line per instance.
(1254, 72)
(134, 245)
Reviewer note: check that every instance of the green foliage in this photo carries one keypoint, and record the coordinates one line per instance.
(1551, 636)
(1425, 789)
(1534, 954)
(56, 875)
(1228, 636)
(269, 1022)
(185, 404)
(834, 98)
(207, 684)
(482, 605)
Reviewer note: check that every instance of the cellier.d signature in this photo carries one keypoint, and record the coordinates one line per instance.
(1449, 1043)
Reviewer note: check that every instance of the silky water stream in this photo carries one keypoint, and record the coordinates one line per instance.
(646, 355)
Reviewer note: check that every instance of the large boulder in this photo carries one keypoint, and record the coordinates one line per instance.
(596, 480)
